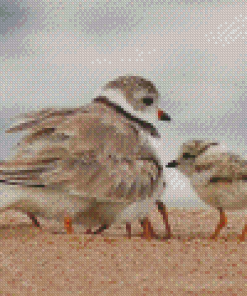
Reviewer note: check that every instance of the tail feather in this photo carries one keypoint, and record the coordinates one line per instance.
(29, 120)
(21, 173)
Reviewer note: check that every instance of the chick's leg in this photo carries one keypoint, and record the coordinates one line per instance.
(68, 225)
(163, 212)
(221, 224)
(148, 232)
(242, 236)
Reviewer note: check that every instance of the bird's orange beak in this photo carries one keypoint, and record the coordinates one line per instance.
(163, 116)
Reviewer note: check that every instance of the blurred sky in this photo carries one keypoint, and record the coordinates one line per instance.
(59, 53)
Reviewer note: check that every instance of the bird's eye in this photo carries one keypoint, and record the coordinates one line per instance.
(148, 101)
(188, 155)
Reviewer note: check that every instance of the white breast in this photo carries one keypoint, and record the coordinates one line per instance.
(154, 144)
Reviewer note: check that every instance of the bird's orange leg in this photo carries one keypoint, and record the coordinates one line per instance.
(128, 229)
(163, 212)
(148, 231)
(68, 225)
(242, 236)
(221, 224)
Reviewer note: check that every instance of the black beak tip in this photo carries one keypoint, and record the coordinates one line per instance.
(172, 164)
(165, 117)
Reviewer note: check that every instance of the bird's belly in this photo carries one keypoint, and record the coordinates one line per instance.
(48, 203)
(100, 213)
(229, 196)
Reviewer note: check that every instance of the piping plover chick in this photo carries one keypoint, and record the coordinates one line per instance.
(89, 164)
(218, 176)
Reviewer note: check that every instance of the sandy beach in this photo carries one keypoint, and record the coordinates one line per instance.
(41, 262)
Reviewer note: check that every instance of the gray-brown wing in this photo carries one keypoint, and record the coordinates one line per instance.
(227, 167)
(44, 118)
(86, 155)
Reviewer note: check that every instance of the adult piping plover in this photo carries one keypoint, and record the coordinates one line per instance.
(218, 176)
(89, 164)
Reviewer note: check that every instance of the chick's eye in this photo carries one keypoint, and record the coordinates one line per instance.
(148, 101)
(188, 155)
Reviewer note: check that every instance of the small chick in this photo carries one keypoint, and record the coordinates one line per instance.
(218, 177)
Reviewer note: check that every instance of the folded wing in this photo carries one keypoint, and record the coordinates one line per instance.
(84, 153)
(226, 167)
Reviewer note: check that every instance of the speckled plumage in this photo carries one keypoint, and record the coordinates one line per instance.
(219, 177)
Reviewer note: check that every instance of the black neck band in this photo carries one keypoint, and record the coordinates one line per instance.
(145, 125)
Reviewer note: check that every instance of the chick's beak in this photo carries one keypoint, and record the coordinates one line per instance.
(172, 164)
(163, 116)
